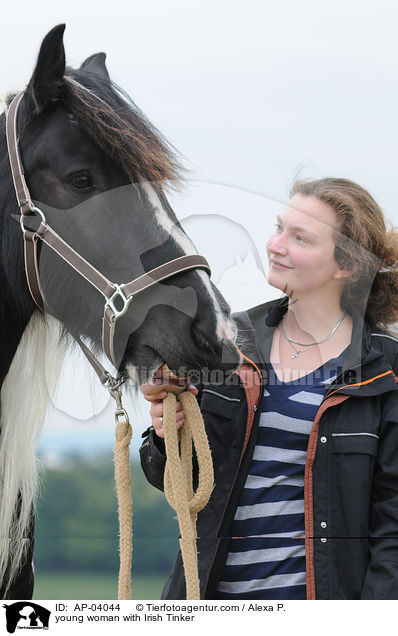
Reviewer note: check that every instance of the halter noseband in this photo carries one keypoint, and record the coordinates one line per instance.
(112, 292)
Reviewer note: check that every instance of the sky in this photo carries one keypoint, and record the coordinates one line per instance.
(253, 94)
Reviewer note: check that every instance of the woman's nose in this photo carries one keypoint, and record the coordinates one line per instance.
(277, 244)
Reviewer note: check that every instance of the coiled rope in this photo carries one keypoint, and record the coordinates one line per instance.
(178, 483)
(178, 478)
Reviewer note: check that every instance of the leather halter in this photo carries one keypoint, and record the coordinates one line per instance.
(113, 293)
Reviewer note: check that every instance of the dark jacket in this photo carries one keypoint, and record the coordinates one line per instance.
(351, 472)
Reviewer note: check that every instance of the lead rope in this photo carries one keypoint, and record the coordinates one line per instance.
(123, 434)
(178, 485)
(122, 476)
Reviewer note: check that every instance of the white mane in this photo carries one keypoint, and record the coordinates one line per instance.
(25, 392)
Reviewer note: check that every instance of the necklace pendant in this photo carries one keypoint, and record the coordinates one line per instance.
(295, 354)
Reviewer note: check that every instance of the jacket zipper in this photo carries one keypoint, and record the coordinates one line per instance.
(308, 493)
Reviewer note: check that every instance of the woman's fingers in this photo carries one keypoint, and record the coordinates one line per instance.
(155, 398)
(156, 409)
(155, 395)
(156, 413)
(157, 423)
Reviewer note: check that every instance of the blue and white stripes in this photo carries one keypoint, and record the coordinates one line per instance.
(266, 558)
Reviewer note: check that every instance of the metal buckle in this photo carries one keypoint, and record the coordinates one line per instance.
(33, 211)
(126, 301)
(122, 413)
(111, 383)
(113, 387)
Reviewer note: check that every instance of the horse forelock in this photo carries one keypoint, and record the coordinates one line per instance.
(120, 129)
(115, 123)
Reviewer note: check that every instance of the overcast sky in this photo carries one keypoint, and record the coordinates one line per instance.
(249, 91)
(252, 93)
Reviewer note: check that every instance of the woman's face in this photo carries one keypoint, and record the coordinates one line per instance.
(301, 250)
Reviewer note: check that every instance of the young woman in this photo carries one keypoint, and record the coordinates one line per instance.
(305, 443)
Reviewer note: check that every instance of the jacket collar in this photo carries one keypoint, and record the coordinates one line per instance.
(366, 369)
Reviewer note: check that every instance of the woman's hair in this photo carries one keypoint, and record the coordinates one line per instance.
(364, 246)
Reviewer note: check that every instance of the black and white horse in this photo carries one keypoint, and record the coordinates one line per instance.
(99, 169)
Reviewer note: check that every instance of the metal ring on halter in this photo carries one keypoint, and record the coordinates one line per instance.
(118, 293)
(34, 209)
(112, 384)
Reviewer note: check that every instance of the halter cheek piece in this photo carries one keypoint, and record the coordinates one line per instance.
(116, 295)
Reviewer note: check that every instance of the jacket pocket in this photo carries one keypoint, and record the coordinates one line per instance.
(365, 443)
(219, 404)
(219, 413)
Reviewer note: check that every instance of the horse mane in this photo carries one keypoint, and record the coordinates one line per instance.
(124, 134)
(120, 129)
(116, 124)
(35, 367)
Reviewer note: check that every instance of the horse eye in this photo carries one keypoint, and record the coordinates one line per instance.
(81, 181)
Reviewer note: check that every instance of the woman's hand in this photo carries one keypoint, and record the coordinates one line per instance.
(156, 411)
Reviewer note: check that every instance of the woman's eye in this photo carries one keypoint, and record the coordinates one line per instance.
(301, 239)
(81, 182)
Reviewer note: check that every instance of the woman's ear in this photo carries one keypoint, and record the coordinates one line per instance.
(342, 274)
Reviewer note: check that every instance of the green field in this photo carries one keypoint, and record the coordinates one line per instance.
(92, 587)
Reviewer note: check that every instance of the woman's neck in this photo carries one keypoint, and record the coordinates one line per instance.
(312, 319)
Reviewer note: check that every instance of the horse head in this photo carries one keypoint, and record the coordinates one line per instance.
(98, 171)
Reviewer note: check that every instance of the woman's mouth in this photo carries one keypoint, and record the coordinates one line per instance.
(277, 265)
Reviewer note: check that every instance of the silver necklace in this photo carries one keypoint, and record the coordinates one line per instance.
(311, 344)
(298, 351)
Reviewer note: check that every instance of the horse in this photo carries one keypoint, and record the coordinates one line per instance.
(99, 171)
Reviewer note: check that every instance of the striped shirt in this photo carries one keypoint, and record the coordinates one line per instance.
(266, 558)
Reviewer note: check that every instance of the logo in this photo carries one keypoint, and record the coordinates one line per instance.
(26, 615)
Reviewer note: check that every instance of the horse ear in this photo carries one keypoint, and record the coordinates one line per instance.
(50, 68)
(96, 64)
